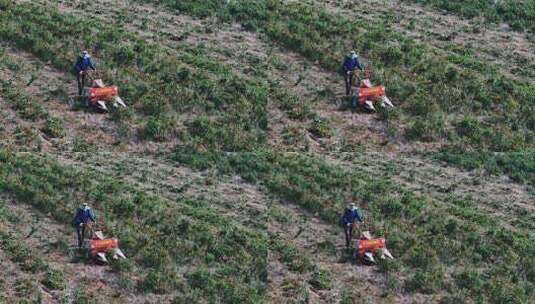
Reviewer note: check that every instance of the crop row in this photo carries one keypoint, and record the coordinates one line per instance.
(514, 124)
(161, 83)
(462, 88)
(193, 251)
(520, 166)
(443, 94)
(429, 84)
(428, 236)
(27, 106)
(27, 259)
(224, 261)
(519, 14)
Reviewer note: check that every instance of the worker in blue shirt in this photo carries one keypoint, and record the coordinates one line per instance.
(83, 216)
(351, 215)
(82, 65)
(351, 63)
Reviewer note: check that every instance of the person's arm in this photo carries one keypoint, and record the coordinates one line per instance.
(91, 64)
(92, 215)
(359, 216)
(359, 66)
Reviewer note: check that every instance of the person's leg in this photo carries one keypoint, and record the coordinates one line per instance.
(347, 234)
(80, 85)
(350, 233)
(350, 81)
(347, 83)
(83, 80)
(80, 233)
(355, 98)
(84, 230)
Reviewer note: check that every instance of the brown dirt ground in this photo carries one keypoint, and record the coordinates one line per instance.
(12, 276)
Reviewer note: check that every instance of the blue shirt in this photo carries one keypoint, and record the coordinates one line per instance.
(351, 63)
(83, 216)
(83, 63)
(352, 215)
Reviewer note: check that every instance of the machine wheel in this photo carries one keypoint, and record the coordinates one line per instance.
(355, 98)
(354, 256)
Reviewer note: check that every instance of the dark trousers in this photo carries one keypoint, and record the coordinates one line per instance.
(351, 81)
(81, 82)
(348, 231)
(348, 78)
(355, 98)
(80, 231)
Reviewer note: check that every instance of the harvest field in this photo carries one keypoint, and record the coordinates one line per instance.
(226, 176)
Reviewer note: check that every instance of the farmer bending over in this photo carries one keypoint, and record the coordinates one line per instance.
(351, 214)
(84, 215)
(351, 63)
(82, 65)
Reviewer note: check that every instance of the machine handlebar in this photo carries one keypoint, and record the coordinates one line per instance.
(366, 73)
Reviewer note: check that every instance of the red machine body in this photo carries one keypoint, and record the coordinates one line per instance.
(373, 93)
(364, 245)
(105, 93)
(105, 245)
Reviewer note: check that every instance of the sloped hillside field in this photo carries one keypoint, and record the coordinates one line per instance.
(226, 176)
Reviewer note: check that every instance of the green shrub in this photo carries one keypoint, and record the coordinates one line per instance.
(455, 297)
(25, 105)
(27, 137)
(321, 279)
(320, 128)
(388, 265)
(21, 254)
(81, 145)
(426, 281)
(428, 128)
(159, 282)
(519, 165)
(54, 127)
(27, 290)
(54, 280)
(80, 296)
(158, 128)
(155, 258)
(122, 265)
(421, 257)
(470, 280)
